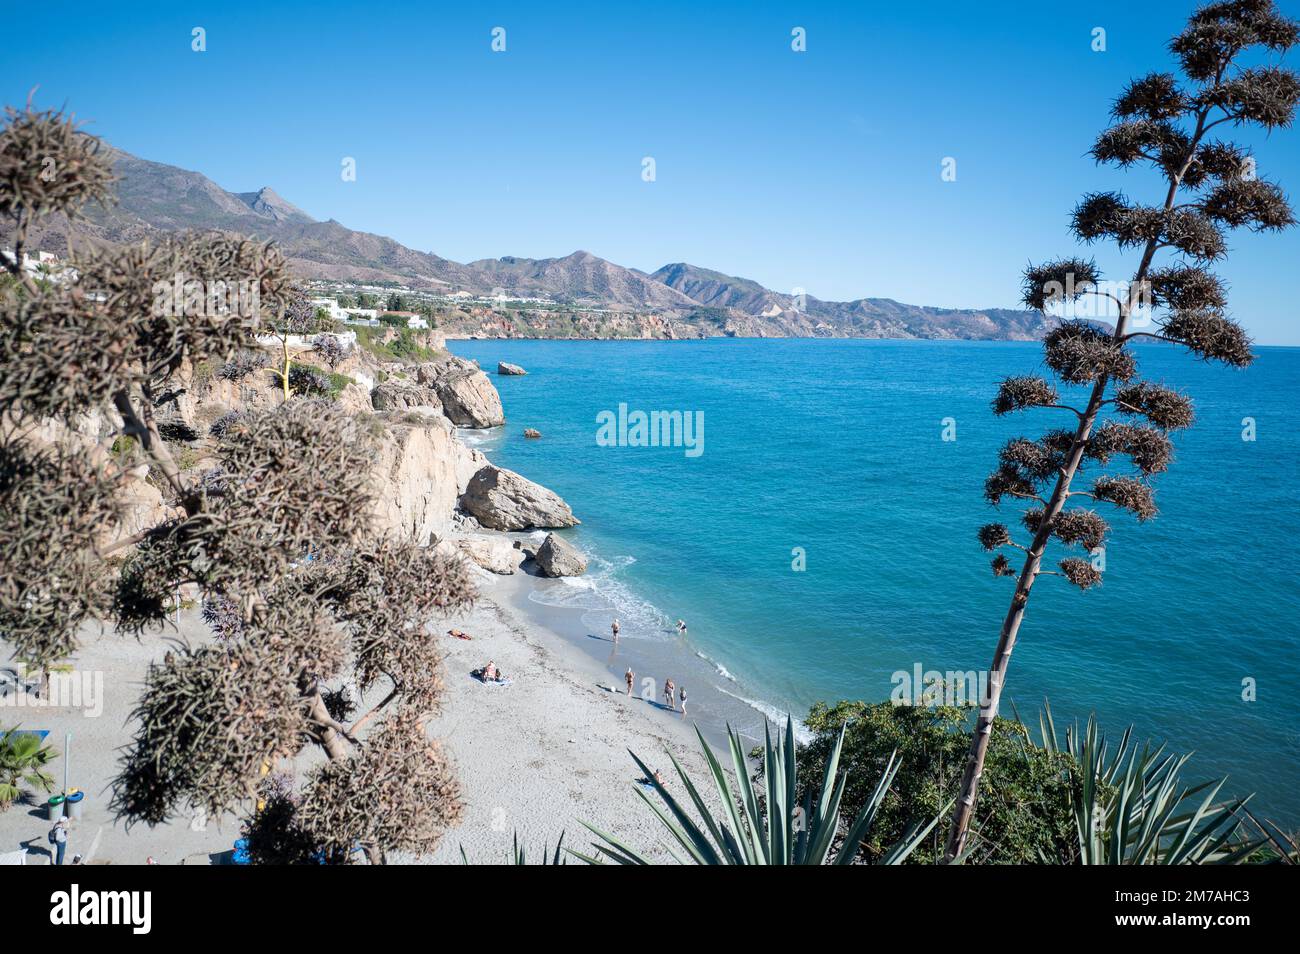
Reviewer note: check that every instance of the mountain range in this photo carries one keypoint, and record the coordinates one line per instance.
(153, 197)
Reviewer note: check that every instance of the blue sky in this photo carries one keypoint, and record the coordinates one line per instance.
(818, 170)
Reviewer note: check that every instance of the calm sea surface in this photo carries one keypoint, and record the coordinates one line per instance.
(834, 449)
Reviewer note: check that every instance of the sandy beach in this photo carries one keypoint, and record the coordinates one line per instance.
(551, 749)
(535, 757)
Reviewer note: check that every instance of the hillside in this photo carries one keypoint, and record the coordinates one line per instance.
(678, 300)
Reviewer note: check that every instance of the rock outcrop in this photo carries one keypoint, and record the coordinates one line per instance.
(527, 546)
(398, 396)
(413, 479)
(532, 433)
(456, 386)
(356, 398)
(419, 473)
(465, 392)
(142, 503)
(502, 500)
(558, 557)
(507, 368)
(493, 553)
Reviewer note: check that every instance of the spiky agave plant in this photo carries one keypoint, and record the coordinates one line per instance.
(1133, 808)
(1210, 188)
(770, 827)
(519, 853)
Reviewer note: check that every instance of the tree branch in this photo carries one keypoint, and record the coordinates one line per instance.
(146, 429)
(358, 723)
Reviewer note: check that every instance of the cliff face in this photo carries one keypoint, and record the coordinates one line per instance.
(420, 468)
(421, 479)
(419, 474)
(422, 475)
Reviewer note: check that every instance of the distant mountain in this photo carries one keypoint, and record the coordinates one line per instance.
(678, 299)
(581, 276)
(717, 290)
(862, 318)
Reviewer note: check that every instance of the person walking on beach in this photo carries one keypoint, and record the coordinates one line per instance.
(669, 689)
(613, 628)
(681, 694)
(629, 678)
(59, 839)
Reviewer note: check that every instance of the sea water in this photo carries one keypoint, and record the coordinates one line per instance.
(822, 540)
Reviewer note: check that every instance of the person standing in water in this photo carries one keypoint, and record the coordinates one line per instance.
(681, 627)
(629, 679)
(613, 628)
(669, 689)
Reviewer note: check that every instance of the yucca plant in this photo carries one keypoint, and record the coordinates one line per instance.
(765, 827)
(1132, 807)
(519, 855)
(23, 757)
(1278, 846)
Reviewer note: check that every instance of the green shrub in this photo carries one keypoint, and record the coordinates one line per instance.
(1024, 810)
(123, 450)
(404, 344)
(201, 379)
(311, 381)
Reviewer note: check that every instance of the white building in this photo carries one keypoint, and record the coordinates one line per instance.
(40, 263)
(330, 305)
(413, 319)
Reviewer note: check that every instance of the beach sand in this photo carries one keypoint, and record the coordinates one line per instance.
(535, 757)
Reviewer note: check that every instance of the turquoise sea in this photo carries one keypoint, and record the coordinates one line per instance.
(836, 447)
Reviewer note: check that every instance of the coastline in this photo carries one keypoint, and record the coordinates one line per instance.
(534, 758)
(551, 750)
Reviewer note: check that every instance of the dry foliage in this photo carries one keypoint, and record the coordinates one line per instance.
(277, 536)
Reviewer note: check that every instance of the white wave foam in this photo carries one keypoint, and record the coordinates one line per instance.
(604, 597)
(477, 437)
(722, 670)
(772, 713)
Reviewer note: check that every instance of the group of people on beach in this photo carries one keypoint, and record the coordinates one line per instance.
(673, 694)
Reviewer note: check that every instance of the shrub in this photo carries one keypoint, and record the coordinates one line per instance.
(1024, 809)
(242, 364)
(310, 381)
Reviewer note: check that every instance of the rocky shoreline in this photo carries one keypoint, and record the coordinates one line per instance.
(426, 483)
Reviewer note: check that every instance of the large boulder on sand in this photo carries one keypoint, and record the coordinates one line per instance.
(504, 367)
(466, 393)
(497, 554)
(558, 557)
(503, 500)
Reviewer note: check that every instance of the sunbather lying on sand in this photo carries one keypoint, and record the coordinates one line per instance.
(647, 783)
(457, 633)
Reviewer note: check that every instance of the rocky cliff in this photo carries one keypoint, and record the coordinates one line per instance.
(422, 479)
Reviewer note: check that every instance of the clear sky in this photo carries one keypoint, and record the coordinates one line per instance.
(818, 170)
